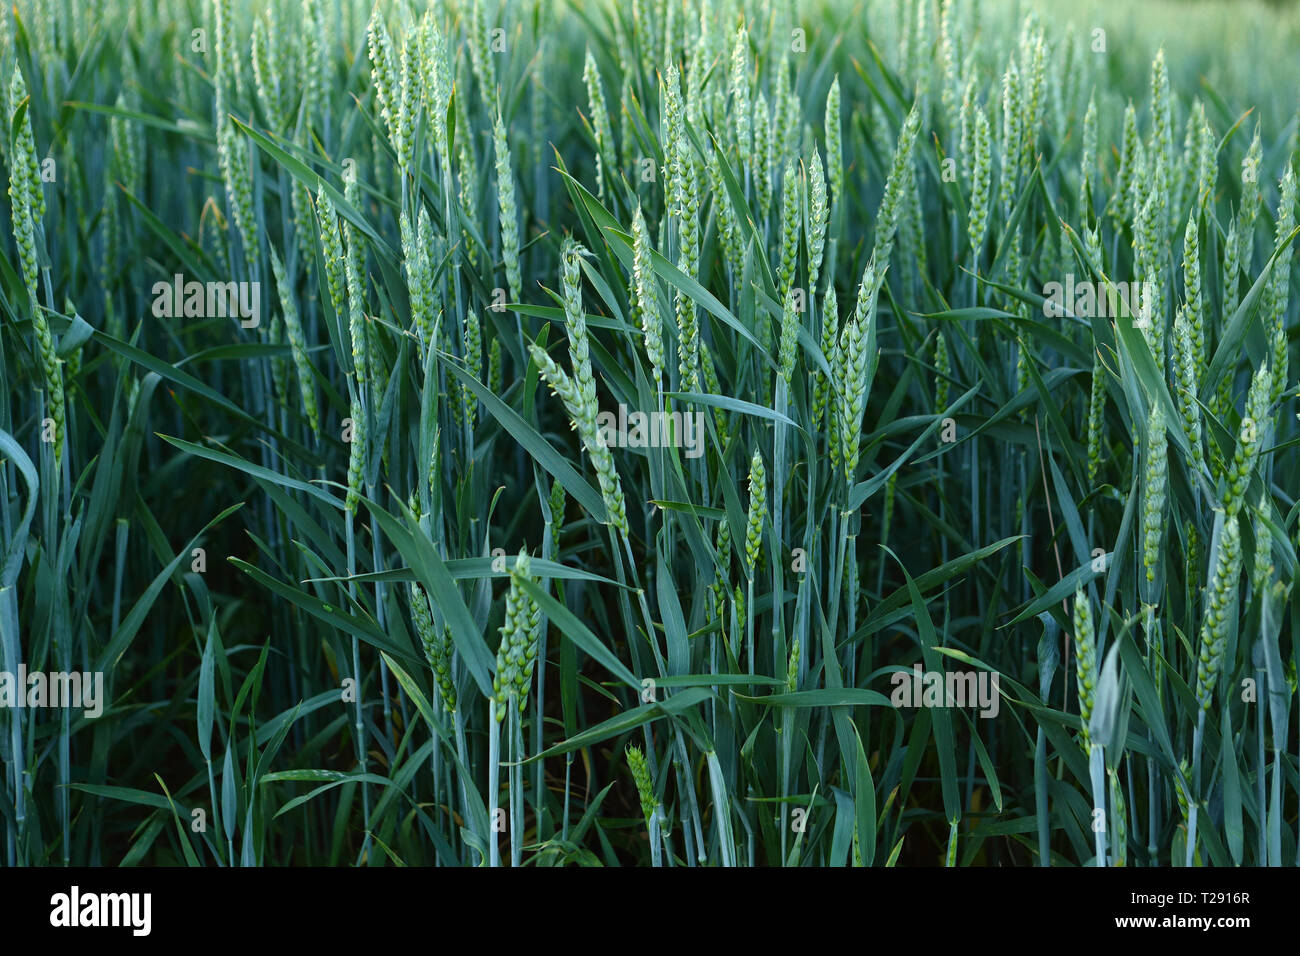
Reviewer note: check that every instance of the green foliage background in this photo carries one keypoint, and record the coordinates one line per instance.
(363, 469)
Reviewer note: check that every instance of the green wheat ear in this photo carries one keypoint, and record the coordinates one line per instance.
(829, 338)
(1186, 378)
(437, 647)
(266, 81)
(473, 364)
(437, 82)
(645, 306)
(383, 70)
(788, 350)
(496, 367)
(943, 370)
(1220, 596)
(757, 513)
(763, 140)
(981, 175)
(353, 260)
(1250, 438)
(1085, 650)
(27, 206)
(582, 414)
(739, 90)
(331, 240)
(891, 205)
(558, 500)
(1096, 419)
(852, 375)
(599, 123)
(416, 245)
(789, 230)
(509, 215)
(834, 143)
(1120, 206)
(356, 456)
(1262, 571)
(235, 154)
(517, 653)
(819, 211)
(640, 771)
(467, 179)
(1154, 481)
(297, 342)
(1120, 816)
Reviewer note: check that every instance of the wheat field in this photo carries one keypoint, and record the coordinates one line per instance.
(729, 433)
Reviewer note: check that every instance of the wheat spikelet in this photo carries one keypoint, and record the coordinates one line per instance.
(757, 513)
(1219, 597)
(1085, 650)
(297, 342)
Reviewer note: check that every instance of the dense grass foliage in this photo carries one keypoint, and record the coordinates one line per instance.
(525, 433)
